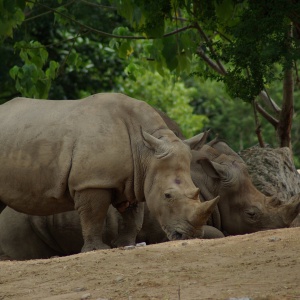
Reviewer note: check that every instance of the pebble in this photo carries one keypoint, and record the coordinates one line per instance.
(274, 239)
(243, 298)
(85, 296)
(79, 289)
(141, 244)
(129, 247)
(119, 279)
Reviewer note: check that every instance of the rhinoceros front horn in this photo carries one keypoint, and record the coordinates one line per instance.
(291, 209)
(205, 210)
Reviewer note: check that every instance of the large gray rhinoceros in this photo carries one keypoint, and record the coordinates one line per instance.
(216, 168)
(87, 154)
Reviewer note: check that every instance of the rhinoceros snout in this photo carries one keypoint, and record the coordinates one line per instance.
(177, 236)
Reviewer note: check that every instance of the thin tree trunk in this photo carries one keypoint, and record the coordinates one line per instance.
(286, 115)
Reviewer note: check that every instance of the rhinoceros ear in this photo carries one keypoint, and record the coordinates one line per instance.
(154, 144)
(212, 169)
(197, 141)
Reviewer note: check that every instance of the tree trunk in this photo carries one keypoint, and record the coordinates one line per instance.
(286, 115)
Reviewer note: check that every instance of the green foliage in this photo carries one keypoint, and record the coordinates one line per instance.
(249, 36)
(259, 41)
(170, 96)
(11, 16)
(32, 79)
(60, 51)
(145, 16)
(52, 57)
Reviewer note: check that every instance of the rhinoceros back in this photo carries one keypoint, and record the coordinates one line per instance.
(50, 148)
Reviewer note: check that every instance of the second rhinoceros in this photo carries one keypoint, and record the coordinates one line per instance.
(87, 154)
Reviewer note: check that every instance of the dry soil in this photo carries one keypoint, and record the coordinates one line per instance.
(264, 265)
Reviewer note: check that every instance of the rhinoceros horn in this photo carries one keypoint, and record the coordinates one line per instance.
(197, 141)
(206, 209)
(290, 210)
(158, 146)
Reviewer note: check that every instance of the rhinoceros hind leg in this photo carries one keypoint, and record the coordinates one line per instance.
(92, 206)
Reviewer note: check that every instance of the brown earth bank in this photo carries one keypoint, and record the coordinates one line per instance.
(263, 265)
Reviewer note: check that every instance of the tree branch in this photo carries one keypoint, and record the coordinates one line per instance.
(58, 43)
(98, 5)
(258, 126)
(266, 115)
(286, 116)
(269, 102)
(210, 62)
(202, 33)
(105, 34)
(47, 12)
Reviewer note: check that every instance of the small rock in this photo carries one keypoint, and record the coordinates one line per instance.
(274, 239)
(80, 289)
(141, 244)
(243, 298)
(184, 243)
(119, 279)
(85, 296)
(129, 247)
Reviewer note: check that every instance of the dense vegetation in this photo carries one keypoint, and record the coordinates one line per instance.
(228, 65)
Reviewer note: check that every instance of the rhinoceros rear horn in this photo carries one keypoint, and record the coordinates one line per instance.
(197, 141)
(151, 142)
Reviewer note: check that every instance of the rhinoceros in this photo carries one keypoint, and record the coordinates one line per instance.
(33, 237)
(86, 154)
(215, 167)
(242, 207)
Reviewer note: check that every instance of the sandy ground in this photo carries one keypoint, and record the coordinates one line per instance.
(264, 265)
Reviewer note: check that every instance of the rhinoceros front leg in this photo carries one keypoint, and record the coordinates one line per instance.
(130, 223)
(92, 206)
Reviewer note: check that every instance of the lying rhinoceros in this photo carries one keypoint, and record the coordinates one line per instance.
(242, 207)
(87, 154)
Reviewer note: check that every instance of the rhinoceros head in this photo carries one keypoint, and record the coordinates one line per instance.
(243, 208)
(169, 190)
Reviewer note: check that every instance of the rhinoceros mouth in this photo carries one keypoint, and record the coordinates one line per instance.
(182, 233)
(177, 236)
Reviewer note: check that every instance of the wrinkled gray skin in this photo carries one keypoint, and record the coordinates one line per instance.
(87, 154)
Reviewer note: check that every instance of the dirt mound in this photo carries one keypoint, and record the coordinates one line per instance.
(264, 265)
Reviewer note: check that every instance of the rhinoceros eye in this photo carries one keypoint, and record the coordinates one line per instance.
(168, 195)
(252, 213)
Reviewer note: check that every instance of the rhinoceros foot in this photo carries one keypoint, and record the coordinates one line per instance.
(94, 246)
(123, 241)
(5, 257)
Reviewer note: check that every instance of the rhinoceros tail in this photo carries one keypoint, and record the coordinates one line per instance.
(2, 206)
